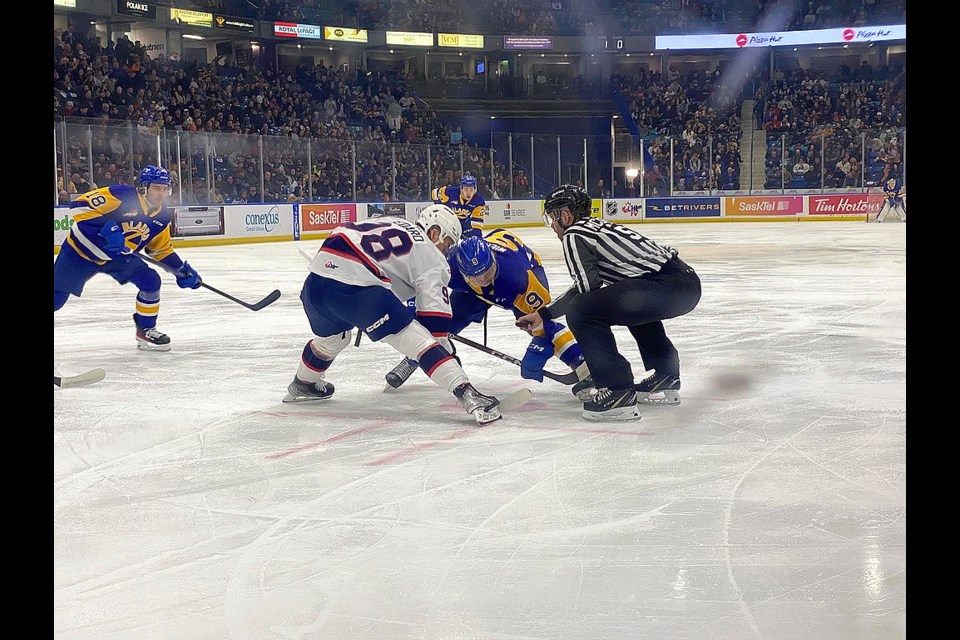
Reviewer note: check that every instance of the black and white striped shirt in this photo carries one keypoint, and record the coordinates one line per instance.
(599, 252)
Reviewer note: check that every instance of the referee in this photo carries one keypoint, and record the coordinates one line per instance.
(620, 278)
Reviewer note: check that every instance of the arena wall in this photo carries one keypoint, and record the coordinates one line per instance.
(246, 223)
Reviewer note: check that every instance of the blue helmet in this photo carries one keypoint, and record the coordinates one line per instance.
(474, 256)
(151, 174)
(468, 181)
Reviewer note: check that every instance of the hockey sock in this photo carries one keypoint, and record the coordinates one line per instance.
(415, 342)
(319, 354)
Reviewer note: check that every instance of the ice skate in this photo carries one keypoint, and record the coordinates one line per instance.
(612, 404)
(584, 389)
(300, 391)
(401, 373)
(657, 389)
(151, 339)
(485, 409)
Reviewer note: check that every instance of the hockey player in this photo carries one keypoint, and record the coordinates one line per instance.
(893, 200)
(111, 225)
(500, 270)
(466, 203)
(360, 277)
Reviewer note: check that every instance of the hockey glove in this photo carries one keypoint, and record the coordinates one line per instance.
(538, 352)
(114, 242)
(188, 278)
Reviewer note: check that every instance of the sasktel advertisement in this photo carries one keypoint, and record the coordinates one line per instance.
(322, 218)
(764, 206)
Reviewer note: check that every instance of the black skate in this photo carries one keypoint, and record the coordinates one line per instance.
(584, 389)
(151, 339)
(401, 373)
(657, 389)
(300, 391)
(612, 404)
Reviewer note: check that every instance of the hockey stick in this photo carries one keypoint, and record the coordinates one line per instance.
(94, 375)
(269, 299)
(565, 378)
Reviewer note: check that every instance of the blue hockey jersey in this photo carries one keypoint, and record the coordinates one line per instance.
(470, 212)
(893, 191)
(520, 286)
(143, 226)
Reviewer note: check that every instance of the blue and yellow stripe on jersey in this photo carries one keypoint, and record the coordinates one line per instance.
(470, 212)
(521, 284)
(143, 226)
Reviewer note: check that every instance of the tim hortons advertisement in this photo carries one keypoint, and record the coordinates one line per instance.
(324, 217)
(764, 206)
(845, 205)
(623, 210)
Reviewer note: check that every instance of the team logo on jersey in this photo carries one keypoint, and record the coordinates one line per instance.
(139, 229)
(329, 265)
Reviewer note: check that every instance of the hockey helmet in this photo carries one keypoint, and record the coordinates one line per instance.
(474, 257)
(440, 215)
(468, 181)
(151, 174)
(570, 196)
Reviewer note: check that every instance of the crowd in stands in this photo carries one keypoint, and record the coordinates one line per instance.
(370, 134)
(374, 119)
(847, 121)
(825, 14)
(701, 119)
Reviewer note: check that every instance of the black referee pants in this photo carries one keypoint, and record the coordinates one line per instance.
(640, 304)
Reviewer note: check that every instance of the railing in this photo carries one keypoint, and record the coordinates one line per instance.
(218, 167)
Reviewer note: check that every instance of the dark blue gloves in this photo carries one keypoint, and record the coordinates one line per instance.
(115, 244)
(188, 278)
(538, 352)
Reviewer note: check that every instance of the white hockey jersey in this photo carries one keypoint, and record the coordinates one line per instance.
(393, 253)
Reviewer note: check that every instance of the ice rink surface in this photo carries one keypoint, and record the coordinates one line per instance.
(191, 504)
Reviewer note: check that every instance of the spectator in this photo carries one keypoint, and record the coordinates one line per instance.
(800, 170)
(229, 189)
(394, 115)
(731, 179)
(601, 189)
(521, 184)
(841, 172)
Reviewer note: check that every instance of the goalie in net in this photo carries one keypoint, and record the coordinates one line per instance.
(894, 201)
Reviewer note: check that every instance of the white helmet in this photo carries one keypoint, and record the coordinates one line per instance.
(440, 215)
